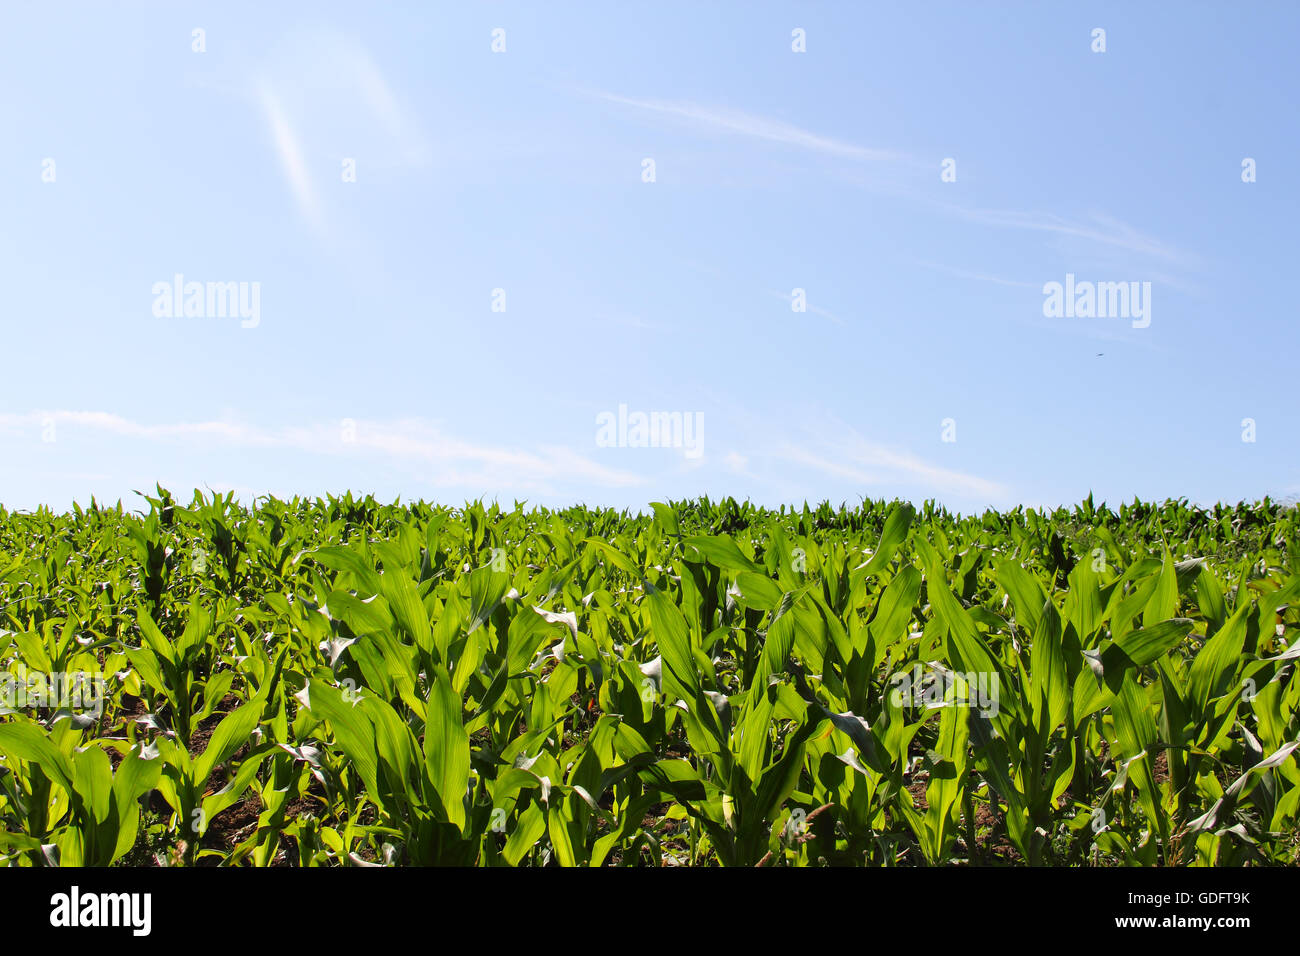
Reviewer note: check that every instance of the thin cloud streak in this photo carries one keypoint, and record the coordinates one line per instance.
(461, 462)
(749, 124)
(356, 68)
(977, 276)
(1112, 232)
(1101, 228)
(868, 463)
(290, 153)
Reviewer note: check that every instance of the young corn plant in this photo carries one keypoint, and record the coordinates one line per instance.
(64, 803)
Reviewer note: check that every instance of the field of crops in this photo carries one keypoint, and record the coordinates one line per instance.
(348, 683)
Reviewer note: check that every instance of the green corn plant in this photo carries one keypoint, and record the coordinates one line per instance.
(185, 777)
(708, 682)
(421, 790)
(747, 779)
(79, 811)
(170, 671)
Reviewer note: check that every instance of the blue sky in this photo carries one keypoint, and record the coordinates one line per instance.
(377, 362)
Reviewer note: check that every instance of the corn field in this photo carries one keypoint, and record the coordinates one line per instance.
(342, 682)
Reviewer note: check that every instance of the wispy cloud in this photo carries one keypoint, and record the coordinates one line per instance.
(737, 464)
(978, 276)
(872, 464)
(326, 87)
(630, 321)
(289, 150)
(752, 125)
(356, 69)
(1099, 228)
(445, 460)
(117, 425)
